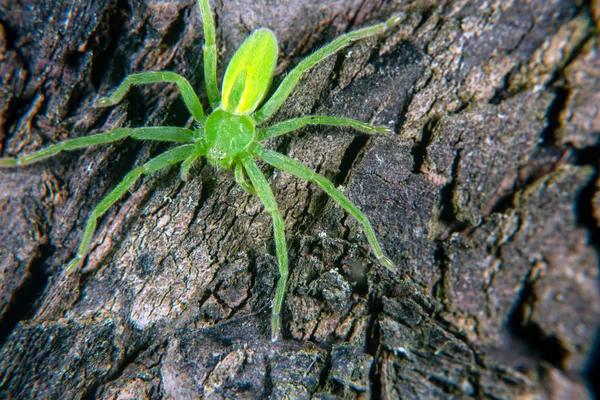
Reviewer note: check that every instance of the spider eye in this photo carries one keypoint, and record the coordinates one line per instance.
(217, 154)
(250, 72)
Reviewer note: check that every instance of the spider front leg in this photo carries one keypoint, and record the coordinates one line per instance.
(240, 180)
(166, 159)
(292, 79)
(187, 93)
(298, 169)
(296, 123)
(266, 195)
(160, 133)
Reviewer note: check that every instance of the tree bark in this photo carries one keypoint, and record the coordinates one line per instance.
(486, 196)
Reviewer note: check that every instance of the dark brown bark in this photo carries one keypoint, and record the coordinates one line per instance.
(486, 196)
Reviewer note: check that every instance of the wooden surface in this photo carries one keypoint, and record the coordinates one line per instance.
(485, 196)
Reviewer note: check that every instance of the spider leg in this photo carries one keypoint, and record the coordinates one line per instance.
(161, 133)
(292, 79)
(186, 165)
(166, 159)
(210, 55)
(266, 195)
(296, 123)
(239, 178)
(184, 172)
(187, 93)
(296, 168)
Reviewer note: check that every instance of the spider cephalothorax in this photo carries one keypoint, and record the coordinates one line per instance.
(229, 136)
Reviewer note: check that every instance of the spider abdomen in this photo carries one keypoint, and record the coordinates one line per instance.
(227, 135)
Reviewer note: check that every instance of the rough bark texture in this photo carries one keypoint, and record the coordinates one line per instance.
(486, 196)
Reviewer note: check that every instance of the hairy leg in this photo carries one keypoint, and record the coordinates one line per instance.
(292, 79)
(296, 168)
(166, 159)
(296, 123)
(160, 133)
(239, 178)
(266, 195)
(210, 55)
(187, 92)
(186, 165)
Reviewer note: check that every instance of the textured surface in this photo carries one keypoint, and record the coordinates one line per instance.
(486, 196)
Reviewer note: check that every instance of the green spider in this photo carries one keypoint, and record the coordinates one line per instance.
(229, 136)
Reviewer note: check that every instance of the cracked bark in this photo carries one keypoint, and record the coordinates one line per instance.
(486, 197)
